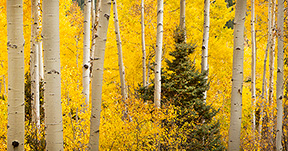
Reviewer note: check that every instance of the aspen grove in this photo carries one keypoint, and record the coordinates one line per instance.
(143, 75)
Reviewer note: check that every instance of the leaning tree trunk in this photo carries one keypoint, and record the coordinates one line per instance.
(204, 64)
(237, 77)
(52, 76)
(98, 65)
(253, 66)
(159, 41)
(86, 51)
(280, 76)
(34, 65)
(120, 56)
(143, 44)
(182, 17)
(15, 44)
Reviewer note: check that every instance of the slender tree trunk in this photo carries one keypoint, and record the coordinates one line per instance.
(40, 50)
(41, 67)
(182, 17)
(120, 58)
(98, 66)
(159, 43)
(237, 77)
(34, 65)
(280, 76)
(52, 76)
(94, 35)
(86, 50)
(253, 67)
(15, 44)
(143, 44)
(271, 26)
(271, 55)
(204, 64)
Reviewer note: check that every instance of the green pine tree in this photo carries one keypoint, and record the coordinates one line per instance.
(183, 86)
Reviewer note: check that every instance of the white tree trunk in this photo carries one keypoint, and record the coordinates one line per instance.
(237, 77)
(86, 51)
(271, 51)
(98, 65)
(15, 44)
(120, 56)
(40, 50)
(52, 76)
(159, 43)
(34, 64)
(204, 64)
(280, 76)
(94, 34)
(94, 30)
(182, 17)
(41, 66)
(253, 66)
(143, 44)
(271, 43)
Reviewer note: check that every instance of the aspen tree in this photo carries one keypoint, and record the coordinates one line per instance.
(271, 51)
(253, 65)
(120, 56)
(34, 65)
(280, 76)
(94, 30)
(52, 76)
(143, 44)
(182, 17)
(271, 44)
(15, 45)
(204, 64)
(40, 49)
(86, 50)
(98, 65)
(159, 42)
(237, 77)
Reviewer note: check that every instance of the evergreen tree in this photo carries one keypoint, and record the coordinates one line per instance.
(183, 86)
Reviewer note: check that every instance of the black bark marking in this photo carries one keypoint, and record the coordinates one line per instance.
(107, 16)
(15, 144)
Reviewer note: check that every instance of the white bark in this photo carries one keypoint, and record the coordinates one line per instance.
(15, 45)
(182, 17)
(280, 76)
(204, 64)
(271, 42)
(237, 77)
(86, 51)
(253, 66)
(93, 15)
(271, 50)
(98, 66)
(52, 76)
(94, 30)
(120, 56)
(41, 66)
(159, 43)
(143, 44)
(40, 50)
(34, 64)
